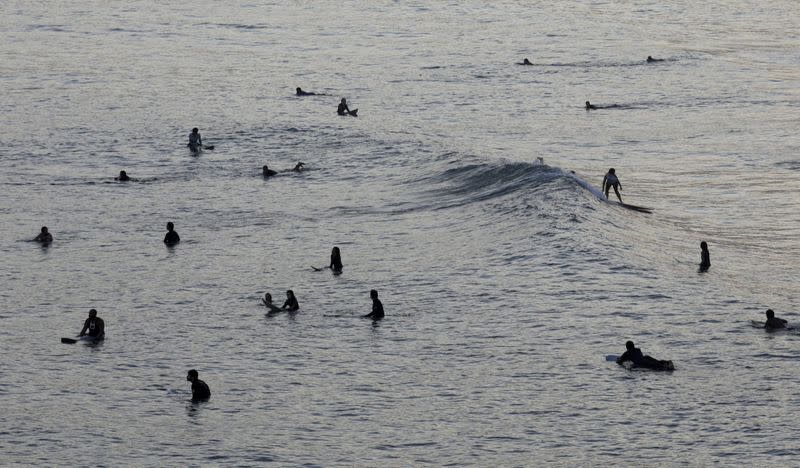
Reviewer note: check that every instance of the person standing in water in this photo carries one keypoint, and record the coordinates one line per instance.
(200, 390)
(44, 236)
(377, 307)
(611, 180)
(291, 303)
(93, 327)
(195, 141)
(172, 236)
(705, 257)
(336, 260)
(773, 322)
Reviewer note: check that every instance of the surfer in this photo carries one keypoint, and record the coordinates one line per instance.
(336, 260)
(634, 355)
(590, 106)
(291, 302)
(195, 141)
(344, 110)
(172, 236)
(94, 327)
(611, 180)
(267, 301)
(651, 59)
(267, 172)
(298, 167)
(44, 237)
(123, 177)
(300, 92)
(774, 322)
(705, 258)
(525, 62)
(200, 390)
(377, 307)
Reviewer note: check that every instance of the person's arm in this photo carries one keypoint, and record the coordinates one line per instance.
(625, 357)
(101, 326)
(85, 327)
(620, 184)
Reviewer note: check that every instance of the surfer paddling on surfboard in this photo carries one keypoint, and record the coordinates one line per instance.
(611, 180)
(635, 356)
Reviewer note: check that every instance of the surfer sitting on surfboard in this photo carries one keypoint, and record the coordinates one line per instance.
(611, 180)
(377, 307)
(291, 303)
(94, 326)
(44, 237)
(774, 322)
(344, 110)
(195, 141)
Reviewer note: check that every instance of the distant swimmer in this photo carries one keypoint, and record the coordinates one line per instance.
(705, 257)
(525, 62)
(651, 59)
(611, 180)
(336, 260)
(299, 167)
(377, 307)
(344, 110)
(200, 390)
(774, 322)
(291, 302)
(123, 177)
(300, 92)
(634, 355)
(94, 327)
(590, 106)
(267, 172)
(44, 236)
(195, 141)
(172, 236)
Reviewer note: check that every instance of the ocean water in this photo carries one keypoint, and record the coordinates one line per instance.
(505, 281)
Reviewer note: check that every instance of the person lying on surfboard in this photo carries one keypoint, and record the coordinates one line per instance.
(300, 92)
(651, 59)
(774, 322)
(344, 110)
(635, 355)
(267, 172)
(298, 167)
(94, 326)
(611, 180)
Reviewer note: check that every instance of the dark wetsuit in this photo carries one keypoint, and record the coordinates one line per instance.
(634, 355)
(639, 360)
(269, 173)
(291, 304)
(775, 322)
(44, 238)
(171, 238)
(123, 178)
(705, 260)
(336, 263)
(343, 109)
(95, 327)
(200, 391)
(377, 310)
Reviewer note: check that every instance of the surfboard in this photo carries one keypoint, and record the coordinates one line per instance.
(642, 209)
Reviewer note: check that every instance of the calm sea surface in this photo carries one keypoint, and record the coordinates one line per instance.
(505, 282)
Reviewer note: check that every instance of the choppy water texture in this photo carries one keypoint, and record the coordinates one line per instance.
(505, 282)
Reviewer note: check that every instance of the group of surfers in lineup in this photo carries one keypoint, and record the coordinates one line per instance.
(94, 327)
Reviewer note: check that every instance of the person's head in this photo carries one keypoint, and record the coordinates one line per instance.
(289, 293)
(195, 130)
(44, 229)
(192, 375)
(92, 313)
(649, 57)
(344, 101)
(122, 174)
(268, 297)
(298, 90)
(629, 345)
(335, 251)
(770, 313)
(588, 104)
(612, 171)
(703, 245)
(170, 226)
(373, 294)
(264, 169)
(526, 61)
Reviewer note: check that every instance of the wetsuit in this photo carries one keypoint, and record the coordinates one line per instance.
(269, 173)
(195, 141)
(377, 310)
(775, 322)
(44, 238)
(123, 178)
(634, 355)
(343, 109)
(705, 260)
(336, 263)
(291, 304)
(200, 391)
(639, 360)
(96, 328)
(171, 238)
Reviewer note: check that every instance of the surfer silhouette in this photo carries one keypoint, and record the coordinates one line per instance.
(610, 180)
(525, 62)
(123, 177)
(705, 257)
(336, 260)
(44, 237)
(651, 59)
(635, 356)
(94, 326)
(774, 322)
(200, 390)
(172, 237)
(267, 172)
(291, 303)
(195, 141)
(377, 307)
(590, 106)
